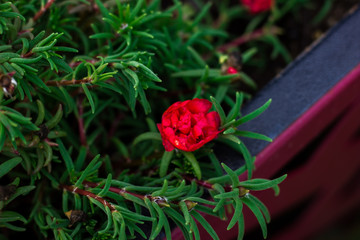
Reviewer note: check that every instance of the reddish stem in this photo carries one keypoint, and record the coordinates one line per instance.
(198, 182)
(50, 143)
(122, 192)
(207, 184)
(67, 82)
(43, 10)
(89, 195)
(115, 125)
(248, 37)
(95, 6)
(75, 64)
(24, 31)
(28, 54)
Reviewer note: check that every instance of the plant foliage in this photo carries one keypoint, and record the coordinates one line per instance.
(83, 84)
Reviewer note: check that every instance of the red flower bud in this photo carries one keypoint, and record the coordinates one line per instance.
(188, 125)
(231, 70)
(257, 6)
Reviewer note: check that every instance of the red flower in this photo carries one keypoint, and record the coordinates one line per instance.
(188, 125)
(257, 6)
(231, 70)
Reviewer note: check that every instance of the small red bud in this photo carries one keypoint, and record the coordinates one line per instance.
(231, 70)
(11, 74)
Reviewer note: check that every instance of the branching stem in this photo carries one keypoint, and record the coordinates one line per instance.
(28, 54)
(198, 182)
(122, 192)
(89, 195)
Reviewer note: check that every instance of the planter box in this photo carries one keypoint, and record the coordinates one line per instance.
(314, 120)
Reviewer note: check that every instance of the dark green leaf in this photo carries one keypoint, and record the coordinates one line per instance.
(144, 101)
(152, 214)
(2, 136)
(216, 164)
(205, 224)
(219, 110)
(87, 170)
(201, 15)
(179, 220)
(55, 119)
(185, 211)
(232, 138)
(253, 135)
(66, 156)
(20, 191)
(256, 211)
(8, 165)
(196, 73)
(106, 187)
(41, 113)
(248, 54)
(237, 213)
(261, 206)
(147, 136)
(253, 114)
(241, 225)
(253, 185)
(89, 97)
(194, 163)
(165, 161)
(232, 194)
(200, 200)
(109, 221)
(235, 111)
(10, 216)
(234, 177)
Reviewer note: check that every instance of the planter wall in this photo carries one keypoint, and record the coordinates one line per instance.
(314, 120)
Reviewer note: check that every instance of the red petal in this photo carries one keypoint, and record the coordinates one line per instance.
(174, 119)
(213, 119)
(199, 120)
(166, 122)
(185, 123)
(197, 132)
(159, 126)
(167, 144)
(175, 106)
(195, 146)
(257, 6)
(199, 105)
